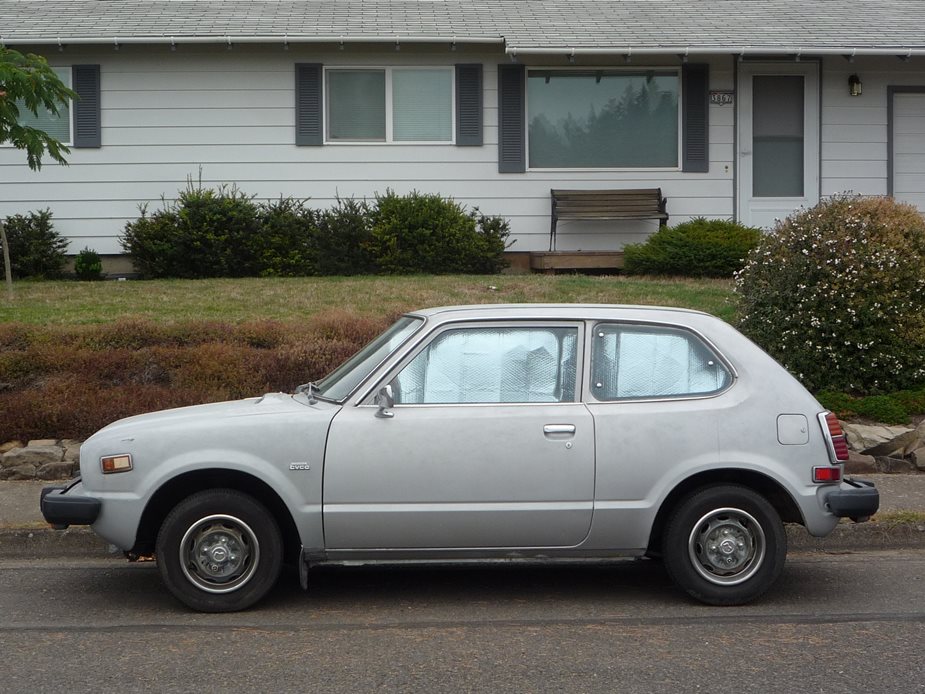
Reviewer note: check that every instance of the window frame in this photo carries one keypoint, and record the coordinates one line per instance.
(66, 75)
(389, 121)
(612, 69)
(705, 342)
(580, 350)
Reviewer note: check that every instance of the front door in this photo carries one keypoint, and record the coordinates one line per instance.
(907, 142)
(488, 446)
(778, 140)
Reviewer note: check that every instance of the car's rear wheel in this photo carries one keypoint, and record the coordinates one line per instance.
(724, 545)
(219, 551)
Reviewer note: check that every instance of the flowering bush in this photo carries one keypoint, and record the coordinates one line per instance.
(837, 294)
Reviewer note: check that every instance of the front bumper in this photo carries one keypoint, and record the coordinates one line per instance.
(859, 501)
(62, 510)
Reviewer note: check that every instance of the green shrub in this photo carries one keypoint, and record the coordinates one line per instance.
(882, 408)
(205, 233)
(284, 245)
(426, 233)
(36, 249)
(223, 233)
(912, 401)
(341, 239)
(88, 266)
(698, 248)
(841, 404)
(837, 294)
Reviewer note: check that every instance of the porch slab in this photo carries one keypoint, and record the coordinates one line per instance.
(550, 261)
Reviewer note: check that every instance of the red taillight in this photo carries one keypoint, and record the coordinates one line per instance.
(826, 474)
(835, 437)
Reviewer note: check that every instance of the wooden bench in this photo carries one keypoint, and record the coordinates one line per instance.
(590, 205)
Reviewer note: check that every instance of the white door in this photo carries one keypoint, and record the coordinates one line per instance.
(909, 148)
(778, 140)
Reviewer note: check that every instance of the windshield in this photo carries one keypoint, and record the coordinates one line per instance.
(341, 382)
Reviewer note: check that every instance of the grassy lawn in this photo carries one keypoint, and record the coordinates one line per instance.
(237, 300)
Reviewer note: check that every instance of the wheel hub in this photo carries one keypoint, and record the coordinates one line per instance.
(219, 553)
(727, 546)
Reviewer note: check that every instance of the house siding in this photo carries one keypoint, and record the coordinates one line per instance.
(228, 117)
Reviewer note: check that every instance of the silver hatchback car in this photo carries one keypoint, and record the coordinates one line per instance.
(515, 432)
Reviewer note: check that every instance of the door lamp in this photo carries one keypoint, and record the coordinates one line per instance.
(854, 85)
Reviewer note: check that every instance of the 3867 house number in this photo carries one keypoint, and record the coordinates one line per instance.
(722, 98)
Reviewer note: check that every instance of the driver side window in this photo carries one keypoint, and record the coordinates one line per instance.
(492, 365)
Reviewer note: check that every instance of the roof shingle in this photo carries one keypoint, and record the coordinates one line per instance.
(723, 25)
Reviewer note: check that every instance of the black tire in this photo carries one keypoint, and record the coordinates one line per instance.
(724, 545)
(219, 551)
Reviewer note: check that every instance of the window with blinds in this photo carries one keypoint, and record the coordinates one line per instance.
(390, 104)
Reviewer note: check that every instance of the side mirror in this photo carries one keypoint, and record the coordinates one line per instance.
(386, 401)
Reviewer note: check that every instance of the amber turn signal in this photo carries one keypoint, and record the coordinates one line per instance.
(116, 463)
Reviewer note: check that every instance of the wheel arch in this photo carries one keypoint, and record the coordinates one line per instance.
(768, 487)
(182, 486)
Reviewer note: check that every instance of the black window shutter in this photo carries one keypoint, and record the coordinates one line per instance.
(86, 82)
(309, 105)
(695, 119)
(469, 105)
(512, 156)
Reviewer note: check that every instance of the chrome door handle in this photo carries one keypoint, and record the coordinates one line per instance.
(559, 429)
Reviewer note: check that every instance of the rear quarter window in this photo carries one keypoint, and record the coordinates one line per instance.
(646, 361)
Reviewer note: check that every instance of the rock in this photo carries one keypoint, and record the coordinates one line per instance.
(864, 436)
(72, 454)
(860, 464)
(67, 443)
(889, 465)
(917, 458)
(32, 455)
(10, 445)
(55, 471)
(42, 443)
(20, 472)
(894, 447)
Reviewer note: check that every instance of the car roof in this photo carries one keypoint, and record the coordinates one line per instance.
(557, 311)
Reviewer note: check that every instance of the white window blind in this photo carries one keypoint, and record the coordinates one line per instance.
(58, 126)
(356, 104)
(422, 102)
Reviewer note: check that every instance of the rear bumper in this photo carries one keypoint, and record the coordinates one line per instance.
(62, 507)
(858, 501)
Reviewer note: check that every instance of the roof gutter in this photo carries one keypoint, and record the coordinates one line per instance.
(901, 51)
(231, 40)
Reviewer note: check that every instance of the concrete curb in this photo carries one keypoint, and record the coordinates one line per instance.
(45, 543)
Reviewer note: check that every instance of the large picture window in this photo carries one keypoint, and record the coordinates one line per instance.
(603, 118)
(58, 126)
(390, 104)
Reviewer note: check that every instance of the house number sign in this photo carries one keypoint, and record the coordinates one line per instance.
(722, 98)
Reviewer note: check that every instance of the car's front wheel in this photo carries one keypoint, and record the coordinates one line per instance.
(724, 545)
(219, 550)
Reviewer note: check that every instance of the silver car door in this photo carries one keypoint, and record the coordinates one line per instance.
(487, 446)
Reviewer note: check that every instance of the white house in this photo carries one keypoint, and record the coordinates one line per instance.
(734, 108)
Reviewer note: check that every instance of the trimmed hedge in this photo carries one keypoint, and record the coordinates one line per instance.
(223, 233)
(698, 248)
(67, 382)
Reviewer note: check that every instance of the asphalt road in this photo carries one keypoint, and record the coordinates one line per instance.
(834, 623)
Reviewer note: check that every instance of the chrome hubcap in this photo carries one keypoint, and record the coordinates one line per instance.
(219, 553)
(727, 546)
